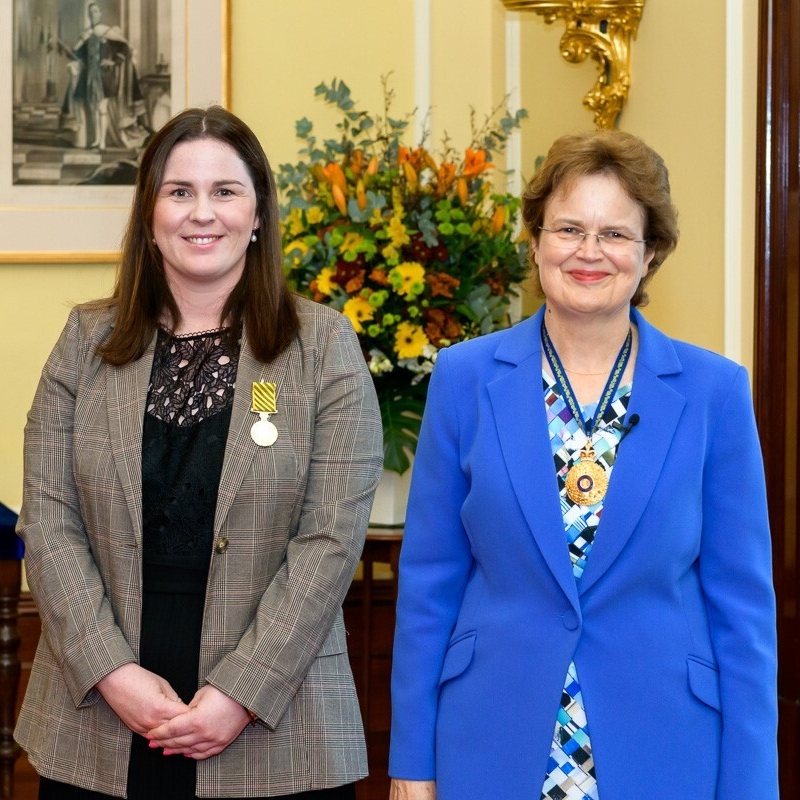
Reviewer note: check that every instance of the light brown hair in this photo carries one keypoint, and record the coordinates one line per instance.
(639, 169)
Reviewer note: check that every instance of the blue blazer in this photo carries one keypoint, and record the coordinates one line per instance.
(672, 626)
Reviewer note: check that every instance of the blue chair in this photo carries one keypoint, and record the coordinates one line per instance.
(11, 545)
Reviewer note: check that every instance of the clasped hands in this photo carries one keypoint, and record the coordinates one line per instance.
(149, 706)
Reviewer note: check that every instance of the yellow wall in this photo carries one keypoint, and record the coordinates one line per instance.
(286, 49)
(677, 104)
(36, 299)
(282, 50)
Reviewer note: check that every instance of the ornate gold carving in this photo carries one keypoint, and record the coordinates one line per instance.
(603, 30)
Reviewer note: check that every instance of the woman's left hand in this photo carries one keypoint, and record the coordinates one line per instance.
(210, 723)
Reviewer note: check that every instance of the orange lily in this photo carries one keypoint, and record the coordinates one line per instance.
(462, 190)
(361, 195)
(357, 162)
(445, 176)
(498, 219)
(333, 172)
(429, 162)
(414, 157)
(340, 199)
(411, 175)
(475, 162)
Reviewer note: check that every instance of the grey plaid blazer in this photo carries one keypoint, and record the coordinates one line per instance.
(294, 514)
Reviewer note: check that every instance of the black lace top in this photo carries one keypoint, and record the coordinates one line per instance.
(192, 377)
(185, 429)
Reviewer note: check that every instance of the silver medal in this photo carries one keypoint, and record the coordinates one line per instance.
(263, 432)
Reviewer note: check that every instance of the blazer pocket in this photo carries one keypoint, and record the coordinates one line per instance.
(336, 641)
(704, 681)
(458, 657)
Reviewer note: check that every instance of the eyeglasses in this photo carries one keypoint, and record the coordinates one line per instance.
(611, 241)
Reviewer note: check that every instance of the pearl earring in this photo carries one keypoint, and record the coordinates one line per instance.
(254, 238)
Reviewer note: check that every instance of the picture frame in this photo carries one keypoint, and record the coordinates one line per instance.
(69, 223)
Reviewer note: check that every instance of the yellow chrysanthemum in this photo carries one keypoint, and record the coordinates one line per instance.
(390, 254)
(299, 247)
(351, 241)
(376, 220)
(404, 276)
(314, 215)
(294, 222)
(358, 310)
(410, 340)
(397, 232)
(324, 284)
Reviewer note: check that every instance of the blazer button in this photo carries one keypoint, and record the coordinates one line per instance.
(570, 620)
(222, 545)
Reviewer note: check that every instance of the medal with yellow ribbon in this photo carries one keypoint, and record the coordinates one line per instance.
(263, 432)
(587, 481)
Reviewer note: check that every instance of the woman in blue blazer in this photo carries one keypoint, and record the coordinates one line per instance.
(586, 607)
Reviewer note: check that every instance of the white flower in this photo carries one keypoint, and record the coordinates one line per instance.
(421, 366)
(379, 363)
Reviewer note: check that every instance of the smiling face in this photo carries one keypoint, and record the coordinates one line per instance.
(204, 215)
(585, 280)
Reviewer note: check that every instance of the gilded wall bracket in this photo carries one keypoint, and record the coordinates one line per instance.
(602, 30)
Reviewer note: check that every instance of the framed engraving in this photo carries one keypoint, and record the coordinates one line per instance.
(83, 84)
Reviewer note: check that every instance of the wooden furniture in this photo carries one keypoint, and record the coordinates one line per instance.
(10, 580)
(369, 617)
(10, 585)
(382, 546)
(776, 386)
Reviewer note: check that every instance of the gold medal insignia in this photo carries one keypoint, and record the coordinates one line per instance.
(587, 481)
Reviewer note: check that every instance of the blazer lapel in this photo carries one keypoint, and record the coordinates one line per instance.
(643, 452)
(126, 391)
(240, 448)
(525, 445)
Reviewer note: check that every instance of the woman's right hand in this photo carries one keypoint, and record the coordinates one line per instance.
(412, 790)
(140, 698)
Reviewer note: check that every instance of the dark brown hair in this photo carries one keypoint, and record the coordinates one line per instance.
(260, 301)
(639, 169)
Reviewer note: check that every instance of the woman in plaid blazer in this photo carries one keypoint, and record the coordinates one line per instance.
(200, 460)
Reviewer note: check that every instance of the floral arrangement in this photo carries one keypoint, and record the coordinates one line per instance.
(417, 249)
